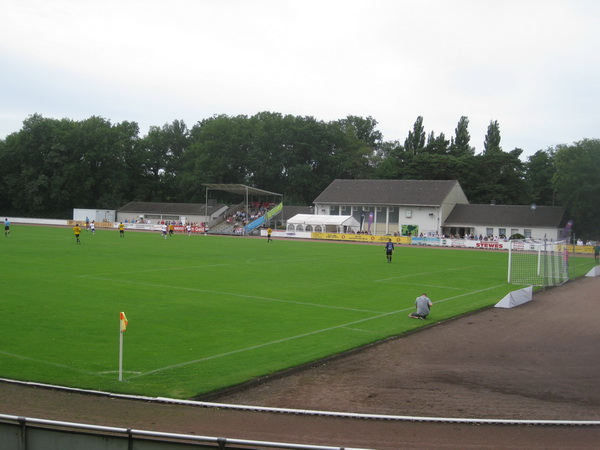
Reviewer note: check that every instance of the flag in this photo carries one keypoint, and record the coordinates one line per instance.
(124, 322)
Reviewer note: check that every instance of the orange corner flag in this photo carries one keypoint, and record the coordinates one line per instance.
(124, 322)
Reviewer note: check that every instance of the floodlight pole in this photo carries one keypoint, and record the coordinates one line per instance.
(206, 211)
(247, 215)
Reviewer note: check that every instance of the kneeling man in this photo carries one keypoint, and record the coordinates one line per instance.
(423, 304)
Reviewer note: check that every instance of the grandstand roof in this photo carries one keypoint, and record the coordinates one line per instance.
(240, 189)
(169, 208)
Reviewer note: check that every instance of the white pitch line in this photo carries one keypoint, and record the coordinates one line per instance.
(230, 294)
(203, 266)
(299, 336)
(433, 286)
(360, 330)
(469, 293)
(48, 363)
(161, 269)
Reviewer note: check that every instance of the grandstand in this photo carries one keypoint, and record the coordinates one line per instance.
(257, 208)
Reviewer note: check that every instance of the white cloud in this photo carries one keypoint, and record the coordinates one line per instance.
(528, 64)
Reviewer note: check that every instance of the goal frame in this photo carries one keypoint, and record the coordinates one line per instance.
(538, 262)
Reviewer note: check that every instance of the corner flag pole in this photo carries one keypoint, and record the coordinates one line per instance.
(122, 327)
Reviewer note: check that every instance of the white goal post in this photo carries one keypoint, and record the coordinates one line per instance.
(538, 262)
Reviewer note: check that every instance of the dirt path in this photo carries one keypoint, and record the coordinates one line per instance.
(539, 361)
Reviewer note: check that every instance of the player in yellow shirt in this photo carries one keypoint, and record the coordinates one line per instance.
(121, 230)
(269, 232)
(77, 231)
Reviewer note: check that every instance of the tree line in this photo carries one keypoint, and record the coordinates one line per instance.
(51, 166)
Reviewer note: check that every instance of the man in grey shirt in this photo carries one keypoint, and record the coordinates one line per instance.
(423, 304)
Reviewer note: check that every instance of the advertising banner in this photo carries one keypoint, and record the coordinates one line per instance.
(361, 238)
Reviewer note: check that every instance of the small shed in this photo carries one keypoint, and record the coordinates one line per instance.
(323, 223)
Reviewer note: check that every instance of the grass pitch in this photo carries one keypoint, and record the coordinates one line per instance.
(207, 312)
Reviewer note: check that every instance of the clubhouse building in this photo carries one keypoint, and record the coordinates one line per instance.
(433, 208)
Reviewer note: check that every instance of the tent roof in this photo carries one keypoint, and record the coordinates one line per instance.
(323, 219)
(240, 189)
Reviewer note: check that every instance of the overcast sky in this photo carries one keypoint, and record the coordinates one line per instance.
(532, 65)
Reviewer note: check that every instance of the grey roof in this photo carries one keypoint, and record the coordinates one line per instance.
(290, 211)
(507, 215)
(195, 209)
(387, 192)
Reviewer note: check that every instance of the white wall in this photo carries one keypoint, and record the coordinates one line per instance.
(420, 217)
(99, 215)
(28, 220)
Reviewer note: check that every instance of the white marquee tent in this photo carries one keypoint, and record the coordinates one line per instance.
(323, 223)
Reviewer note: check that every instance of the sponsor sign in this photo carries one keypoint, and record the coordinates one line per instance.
(361, 238)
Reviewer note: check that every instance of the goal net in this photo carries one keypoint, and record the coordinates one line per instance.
(538, 262)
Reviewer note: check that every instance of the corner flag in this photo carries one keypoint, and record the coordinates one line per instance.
(122, 327)
(124, 321)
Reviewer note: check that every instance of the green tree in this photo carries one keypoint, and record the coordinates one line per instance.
(363, 129)
(460, 144)
(387, 161)
(34, 161)
(491, 143)
(436, 145)
(52, 166)
(577, 184)
(218, 153)
(539, 172)
(415, 141)
(499, 176)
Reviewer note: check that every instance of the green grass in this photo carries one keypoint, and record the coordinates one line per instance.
(207, 312)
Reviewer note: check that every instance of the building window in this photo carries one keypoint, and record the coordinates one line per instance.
(527, 233)
(343, 208)
(489, 232)
(514, 231)
(502, 232)
(409, 213)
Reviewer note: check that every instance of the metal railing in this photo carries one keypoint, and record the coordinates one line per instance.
(23, 433)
